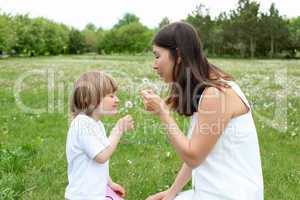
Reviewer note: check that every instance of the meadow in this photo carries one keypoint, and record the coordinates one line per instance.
(34, 120)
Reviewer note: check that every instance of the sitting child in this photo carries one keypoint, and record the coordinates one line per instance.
(88, 148)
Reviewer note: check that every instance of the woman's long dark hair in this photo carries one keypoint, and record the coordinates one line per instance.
(193, 73)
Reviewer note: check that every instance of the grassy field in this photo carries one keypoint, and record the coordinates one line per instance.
(34, 120)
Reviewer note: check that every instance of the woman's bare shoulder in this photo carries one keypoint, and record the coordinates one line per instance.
(225, 99)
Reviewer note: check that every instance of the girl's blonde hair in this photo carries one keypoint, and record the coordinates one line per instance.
(89, 90)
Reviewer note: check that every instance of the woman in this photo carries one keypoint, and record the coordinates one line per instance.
(221, 152)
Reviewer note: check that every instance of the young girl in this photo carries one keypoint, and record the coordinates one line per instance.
(88, 149)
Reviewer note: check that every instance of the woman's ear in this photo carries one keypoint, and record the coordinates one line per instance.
(178, 61)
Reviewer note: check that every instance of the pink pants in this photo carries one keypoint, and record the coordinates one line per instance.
(111, 195)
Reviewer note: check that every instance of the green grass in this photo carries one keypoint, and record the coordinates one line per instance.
(32, 145)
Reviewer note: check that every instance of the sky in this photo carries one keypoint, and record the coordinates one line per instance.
(106, 13)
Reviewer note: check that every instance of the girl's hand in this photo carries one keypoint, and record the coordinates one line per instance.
(118, 189)
(125, 124)
(154, 103)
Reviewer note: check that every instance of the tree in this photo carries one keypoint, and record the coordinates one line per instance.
(56, 38)
(130, 38)
(204, 25)
(246, 21)
(100, 35)
(90, 37)
(24, 40)
(7, 34)
(76, 42)
(274, 29)
(127, 19)
(134, 38)
(91, 27)
(227, 36)
(36, 31)
(294, 31)
(165, 21)
(243, 32)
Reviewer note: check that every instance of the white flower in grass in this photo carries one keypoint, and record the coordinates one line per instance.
(145, 80)
(129, 162)
(128, 104)
(293, 134)
(168, 154)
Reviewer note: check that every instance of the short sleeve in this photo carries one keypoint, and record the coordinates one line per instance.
(92, 139)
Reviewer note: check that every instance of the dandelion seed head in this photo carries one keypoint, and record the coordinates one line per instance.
(128, 104)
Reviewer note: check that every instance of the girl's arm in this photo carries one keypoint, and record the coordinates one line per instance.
(110, 182)
(123, 125)
(114, 139)
(116, 188)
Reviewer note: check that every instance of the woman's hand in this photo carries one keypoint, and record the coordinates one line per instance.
(161, 196)
(118, 189)
(154, 103)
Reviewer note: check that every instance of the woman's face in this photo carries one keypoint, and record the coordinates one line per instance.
(163, 63)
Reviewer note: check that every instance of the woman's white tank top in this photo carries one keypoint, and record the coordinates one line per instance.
(232, 170)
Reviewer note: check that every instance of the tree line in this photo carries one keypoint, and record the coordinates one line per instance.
(242, 32)
(22, 35)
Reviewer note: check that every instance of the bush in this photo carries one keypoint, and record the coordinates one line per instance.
(130, 38)
(7, 35)
(76, 42)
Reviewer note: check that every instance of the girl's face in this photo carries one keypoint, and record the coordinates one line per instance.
(163, 63)
(108, 105)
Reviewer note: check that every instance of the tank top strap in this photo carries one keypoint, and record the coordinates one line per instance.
(239, 92)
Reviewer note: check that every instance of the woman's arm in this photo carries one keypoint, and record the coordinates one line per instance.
(213, 116)
(182, 178)
(214, 113)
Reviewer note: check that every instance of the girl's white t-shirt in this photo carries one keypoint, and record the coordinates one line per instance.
(87, 178)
